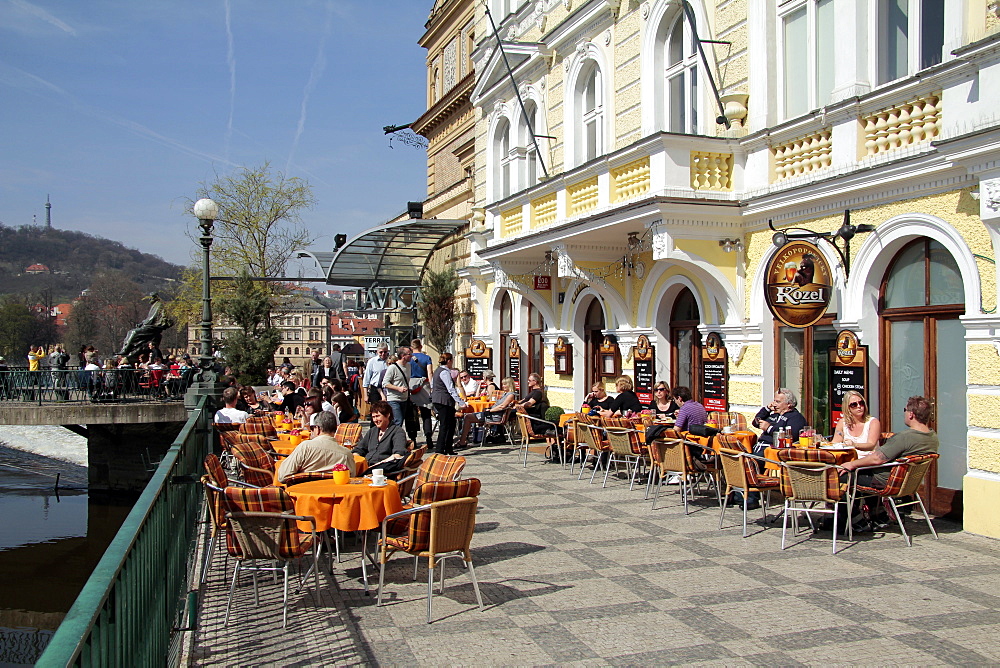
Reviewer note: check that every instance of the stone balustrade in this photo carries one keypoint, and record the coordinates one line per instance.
(902, 125)
(803, 155)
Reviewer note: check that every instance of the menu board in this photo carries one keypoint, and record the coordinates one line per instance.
(714, 374)
(514, 364)
(478, 359)
(643, 365)
(848, 371)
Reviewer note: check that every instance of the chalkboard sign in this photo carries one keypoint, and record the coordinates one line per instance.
(514, 364)
(478, 359)
(848, 371)
(714, 374)
(643, 359)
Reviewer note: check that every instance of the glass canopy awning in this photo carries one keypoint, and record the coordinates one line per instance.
(395, 254)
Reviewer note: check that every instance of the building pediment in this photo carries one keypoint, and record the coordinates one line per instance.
(495, 71)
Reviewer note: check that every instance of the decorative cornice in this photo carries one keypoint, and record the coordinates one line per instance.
(458, 96)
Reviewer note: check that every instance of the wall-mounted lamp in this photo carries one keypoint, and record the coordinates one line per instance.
(846, 232)
(633, 242)
(730, 245)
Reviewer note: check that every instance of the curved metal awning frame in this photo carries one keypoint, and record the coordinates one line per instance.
(389, 255)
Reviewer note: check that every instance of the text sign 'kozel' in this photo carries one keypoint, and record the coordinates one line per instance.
(798, 284)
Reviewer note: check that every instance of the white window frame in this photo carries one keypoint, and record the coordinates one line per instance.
(689, 69)
(589, 117)
(503, 159)
(528, 154)
(915, 38)
(815, 98)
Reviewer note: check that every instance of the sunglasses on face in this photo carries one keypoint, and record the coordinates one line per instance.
(855, 404)
(661, 389)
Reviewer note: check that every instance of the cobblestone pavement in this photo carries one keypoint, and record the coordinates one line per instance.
(573, 573)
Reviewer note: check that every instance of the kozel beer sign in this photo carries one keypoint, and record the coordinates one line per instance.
(798, 284)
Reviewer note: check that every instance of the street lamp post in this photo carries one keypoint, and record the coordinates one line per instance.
(206, 211)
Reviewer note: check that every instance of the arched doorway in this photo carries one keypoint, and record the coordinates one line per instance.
(685, 343)
(593, 335)
(923, 353)
(506, 327)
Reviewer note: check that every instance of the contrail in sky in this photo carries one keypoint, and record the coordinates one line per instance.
(314, 76)
(37, 11)
(231, 61)
(15, 77)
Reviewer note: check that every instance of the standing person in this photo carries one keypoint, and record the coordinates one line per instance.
(59, 365)
(445, 398)
(374, 371)
(315, 364)
(691, 413)
(421, 369)
(396, 384)
(34, 366)
(338, 363)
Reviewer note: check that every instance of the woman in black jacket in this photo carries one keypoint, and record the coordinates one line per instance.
(384, 445)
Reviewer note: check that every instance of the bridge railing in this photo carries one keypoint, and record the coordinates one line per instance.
(97, 386)
(132, 605)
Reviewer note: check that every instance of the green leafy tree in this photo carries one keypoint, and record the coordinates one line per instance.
(250, 348)
(437, 307)
(16, 326)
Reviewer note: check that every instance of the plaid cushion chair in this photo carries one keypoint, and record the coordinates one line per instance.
(635, 437)
(904, 481)
(348, 431)
(741, 476)
(440, 527)
(729, 442)
(814, 455)
(412, 529)
(256, 465)
(261, 425)
(723, 419)
(262, 525)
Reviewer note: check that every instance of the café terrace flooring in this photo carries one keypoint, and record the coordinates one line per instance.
(575, 574)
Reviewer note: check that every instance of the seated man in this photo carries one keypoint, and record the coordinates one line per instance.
(918, 439)
(230, 413)
(384, 445)
(320, 453)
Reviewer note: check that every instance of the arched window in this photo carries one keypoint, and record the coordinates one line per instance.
(589, 95)
(923, 353)
(681, 74)
(502, 161)
(529, 122)
(296, 351)
(506, 327)
(685, 342)
(593, 334)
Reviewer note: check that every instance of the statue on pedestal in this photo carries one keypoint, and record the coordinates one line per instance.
(150, 329)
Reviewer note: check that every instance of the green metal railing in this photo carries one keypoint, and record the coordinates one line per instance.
(137, 594)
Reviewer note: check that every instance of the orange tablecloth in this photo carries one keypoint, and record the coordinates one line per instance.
(840, 456)
(345, 507)
(566, 417)
(478, 405)
(746, 438)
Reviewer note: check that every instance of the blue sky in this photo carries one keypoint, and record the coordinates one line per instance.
(118, 109)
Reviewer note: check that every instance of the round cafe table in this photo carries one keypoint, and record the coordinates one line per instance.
(356, 506)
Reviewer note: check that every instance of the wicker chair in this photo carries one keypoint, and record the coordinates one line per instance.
(904, 480)
(805, 484)
(529, 427)
(441, 526)
(670, 457)
(215, 481)
(623, 444)
(724, 419)
(411, 465)
(261, 526)
(741, 476)
(729, 442)
(576, 438)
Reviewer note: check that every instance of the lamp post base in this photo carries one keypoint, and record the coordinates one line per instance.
(198, 389)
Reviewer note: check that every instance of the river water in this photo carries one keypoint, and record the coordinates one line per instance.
(50, 540)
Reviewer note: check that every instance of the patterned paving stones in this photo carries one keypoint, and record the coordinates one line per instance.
(575, 574)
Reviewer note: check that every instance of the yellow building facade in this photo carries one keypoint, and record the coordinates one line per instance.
(616, 204)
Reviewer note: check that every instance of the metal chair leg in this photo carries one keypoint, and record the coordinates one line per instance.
(475, 582)
(430, 587)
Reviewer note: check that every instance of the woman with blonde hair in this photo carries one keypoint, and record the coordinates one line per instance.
(492, 415)
(857, 428)
(625, 401)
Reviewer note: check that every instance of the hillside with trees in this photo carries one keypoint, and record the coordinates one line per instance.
(73, 258)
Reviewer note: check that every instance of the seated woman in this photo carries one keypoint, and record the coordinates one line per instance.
(597, 399)
(492, 414)
(857, 427)
(384, 445)
(308, 410)
(253, 402)
(343, 407)
(488, 385)
(625, 401)
(663, 401)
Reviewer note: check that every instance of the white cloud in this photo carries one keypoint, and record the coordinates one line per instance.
(33, 10)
